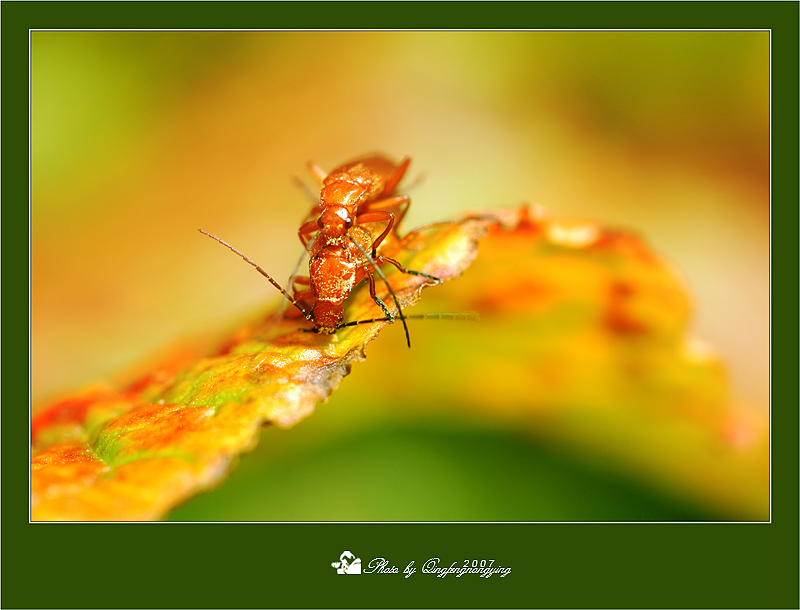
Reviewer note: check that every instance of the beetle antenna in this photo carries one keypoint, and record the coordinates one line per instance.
(295, 273)
(306, 314)
(307, 192)
(461, 316)
(388, 285)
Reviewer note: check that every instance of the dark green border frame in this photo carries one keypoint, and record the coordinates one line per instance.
(248, 565)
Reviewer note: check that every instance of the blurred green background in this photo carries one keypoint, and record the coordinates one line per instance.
(139, 138)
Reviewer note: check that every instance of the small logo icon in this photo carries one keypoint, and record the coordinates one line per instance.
(347, 564)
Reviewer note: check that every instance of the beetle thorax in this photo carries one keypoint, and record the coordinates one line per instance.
(328, 316)
(333, 274)
(334, 222)
(349, 187)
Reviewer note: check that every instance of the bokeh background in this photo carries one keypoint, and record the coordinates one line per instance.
(139, 138)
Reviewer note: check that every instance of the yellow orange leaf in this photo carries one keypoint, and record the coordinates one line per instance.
(133, 454)
(584, 342)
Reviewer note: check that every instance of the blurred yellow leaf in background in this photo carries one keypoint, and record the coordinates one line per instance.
(140, 137)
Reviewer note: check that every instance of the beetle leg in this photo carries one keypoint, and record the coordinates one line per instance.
(317, 171)
(377, 300)
(305, 232)
(378, 216)
(396, 176)
(386, 259)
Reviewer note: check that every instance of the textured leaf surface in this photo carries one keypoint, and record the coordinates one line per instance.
(134, 454)
(584, 342)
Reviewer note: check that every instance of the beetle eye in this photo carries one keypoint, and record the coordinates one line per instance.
(348, 222)
(320, 224)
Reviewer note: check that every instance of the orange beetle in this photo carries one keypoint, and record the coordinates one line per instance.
(357, 212)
